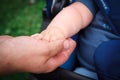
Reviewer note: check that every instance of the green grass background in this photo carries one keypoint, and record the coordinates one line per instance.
(18, 18)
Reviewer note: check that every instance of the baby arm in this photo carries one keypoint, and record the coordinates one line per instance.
(68, 22)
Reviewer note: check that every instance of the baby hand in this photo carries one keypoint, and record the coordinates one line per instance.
(50, 34)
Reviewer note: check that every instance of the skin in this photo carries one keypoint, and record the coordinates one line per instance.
(29, 54)
(68, 22)
(16, 54)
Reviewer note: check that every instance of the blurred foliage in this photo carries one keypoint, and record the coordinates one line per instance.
(15, 76)
(18, 17)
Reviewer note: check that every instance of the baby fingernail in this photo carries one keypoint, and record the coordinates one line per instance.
(34, 35)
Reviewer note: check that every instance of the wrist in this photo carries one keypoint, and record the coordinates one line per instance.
(58, 31)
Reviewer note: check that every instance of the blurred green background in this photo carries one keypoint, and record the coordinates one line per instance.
(19, 17)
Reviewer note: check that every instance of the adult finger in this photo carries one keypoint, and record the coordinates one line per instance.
(55, 47)
(5, 37)
(61, 57)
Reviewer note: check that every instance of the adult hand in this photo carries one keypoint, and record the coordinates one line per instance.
(5, 37)
(27, 54)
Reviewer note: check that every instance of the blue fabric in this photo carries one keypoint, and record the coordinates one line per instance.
(98, 32)
(48, 6)
(112, 13)
(86, 72)
(115, 13)
(107, 60)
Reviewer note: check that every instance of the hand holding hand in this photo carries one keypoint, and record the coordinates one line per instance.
(28, 54)
(51, 34)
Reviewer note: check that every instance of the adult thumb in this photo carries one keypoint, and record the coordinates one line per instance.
(62, 57)
(55, 47)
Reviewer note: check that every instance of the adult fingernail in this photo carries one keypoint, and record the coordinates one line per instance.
(66, 44)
